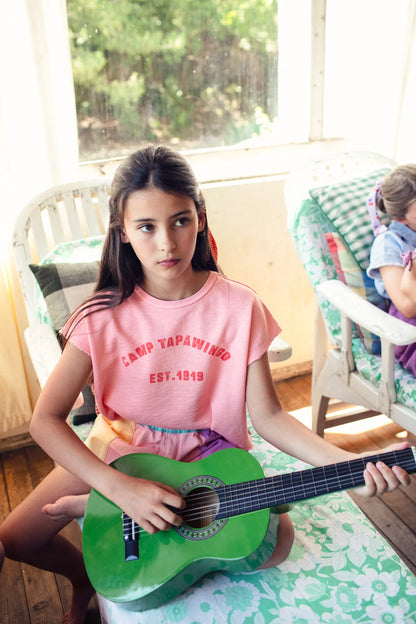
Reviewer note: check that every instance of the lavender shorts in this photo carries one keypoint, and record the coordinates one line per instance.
(181, 445)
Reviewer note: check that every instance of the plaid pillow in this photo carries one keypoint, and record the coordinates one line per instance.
(350, 273)
(82, 251)
(64, 287)
(345, 205)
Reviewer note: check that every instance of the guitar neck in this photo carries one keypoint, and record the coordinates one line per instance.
(241, 498)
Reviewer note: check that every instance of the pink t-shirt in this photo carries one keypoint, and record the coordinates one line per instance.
(178, 364)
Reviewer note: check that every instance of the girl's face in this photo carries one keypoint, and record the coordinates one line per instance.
(162, 230)
(410, 217)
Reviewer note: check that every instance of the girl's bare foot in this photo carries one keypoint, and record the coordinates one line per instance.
(67, 507)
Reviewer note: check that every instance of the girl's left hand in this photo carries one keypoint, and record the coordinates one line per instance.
(380, 479)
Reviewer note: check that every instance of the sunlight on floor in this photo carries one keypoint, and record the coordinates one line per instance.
(304, 415)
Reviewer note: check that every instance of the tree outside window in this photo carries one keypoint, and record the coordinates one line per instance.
(193, 74)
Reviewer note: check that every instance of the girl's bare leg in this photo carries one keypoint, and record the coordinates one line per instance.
(2, 555)
(30, 535)
(285, 538)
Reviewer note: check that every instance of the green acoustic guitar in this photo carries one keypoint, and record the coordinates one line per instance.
(228, 502)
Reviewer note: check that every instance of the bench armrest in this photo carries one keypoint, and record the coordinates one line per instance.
(279, 350)
(364, 313)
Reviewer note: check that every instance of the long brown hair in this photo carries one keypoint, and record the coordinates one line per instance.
(120, 269)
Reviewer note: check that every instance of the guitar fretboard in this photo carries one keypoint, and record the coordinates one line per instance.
(241, 498)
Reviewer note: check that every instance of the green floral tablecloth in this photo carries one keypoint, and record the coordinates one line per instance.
(340, 571)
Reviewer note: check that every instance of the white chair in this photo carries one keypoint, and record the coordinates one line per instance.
(46, 230)
(331, 229)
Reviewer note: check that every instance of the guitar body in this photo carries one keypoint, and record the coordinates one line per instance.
(171, 561)
(225, 521)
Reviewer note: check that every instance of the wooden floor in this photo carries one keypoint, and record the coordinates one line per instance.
(28, 595)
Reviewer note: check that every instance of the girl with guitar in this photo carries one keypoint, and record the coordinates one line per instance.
(176, 352)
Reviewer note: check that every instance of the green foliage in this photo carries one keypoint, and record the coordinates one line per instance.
(200, 73)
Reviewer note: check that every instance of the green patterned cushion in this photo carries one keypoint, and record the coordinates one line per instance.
(369, 366)
(345, 205)
(308, 228)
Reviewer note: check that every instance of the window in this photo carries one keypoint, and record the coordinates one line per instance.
(193, 74)
(365, 61)
(242, 73)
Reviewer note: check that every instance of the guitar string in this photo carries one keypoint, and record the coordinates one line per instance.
(358, 464)
(254, 489)
(262, 482)
(250, 489)
(197, 516)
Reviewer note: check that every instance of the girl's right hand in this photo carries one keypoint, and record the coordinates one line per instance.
(146, 502)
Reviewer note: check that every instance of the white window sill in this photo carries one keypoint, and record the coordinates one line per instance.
(238, 163)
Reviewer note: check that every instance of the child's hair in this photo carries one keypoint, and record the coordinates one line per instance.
(147, 168)
(398, 191)
(120, 269)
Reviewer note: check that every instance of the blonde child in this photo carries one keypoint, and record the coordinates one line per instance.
(393, 248)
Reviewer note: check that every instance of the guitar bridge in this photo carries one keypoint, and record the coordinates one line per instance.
(131, 532)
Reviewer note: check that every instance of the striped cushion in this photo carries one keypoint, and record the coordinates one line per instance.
(350, 273)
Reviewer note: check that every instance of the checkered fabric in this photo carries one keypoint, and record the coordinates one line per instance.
(65, 286)
(345, 205)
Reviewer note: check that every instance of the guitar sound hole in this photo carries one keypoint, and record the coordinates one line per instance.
(202, 506)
